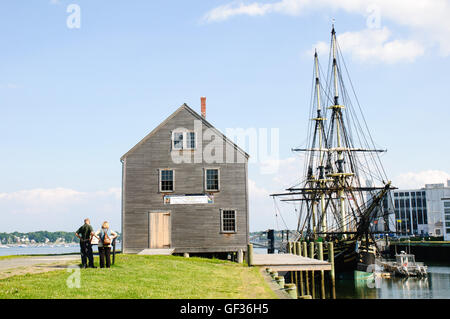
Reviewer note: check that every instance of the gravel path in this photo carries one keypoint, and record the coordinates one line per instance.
(38, 260)
(38, 264)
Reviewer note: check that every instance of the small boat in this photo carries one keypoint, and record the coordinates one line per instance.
(405, 265)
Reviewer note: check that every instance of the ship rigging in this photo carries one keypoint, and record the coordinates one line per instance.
(344, 181)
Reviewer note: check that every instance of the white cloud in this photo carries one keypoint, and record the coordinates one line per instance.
(236, 8)
(412, 180)
(261, 205)
(57, 208)
(428, 20)
(9, 86)
(226, 11)
(256, 191)
(375, 45)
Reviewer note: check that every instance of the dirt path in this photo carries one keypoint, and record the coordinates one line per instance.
(34, 265)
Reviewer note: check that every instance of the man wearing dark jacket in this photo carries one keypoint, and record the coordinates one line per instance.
(85, 233)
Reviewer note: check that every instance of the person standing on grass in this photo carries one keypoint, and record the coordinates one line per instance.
(85, 233)
(105, 238)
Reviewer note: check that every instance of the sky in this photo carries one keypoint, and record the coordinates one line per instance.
(81, 82)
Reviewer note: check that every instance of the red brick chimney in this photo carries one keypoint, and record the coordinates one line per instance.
(203, 102)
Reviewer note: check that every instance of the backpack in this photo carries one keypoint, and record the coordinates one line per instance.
(106, 239)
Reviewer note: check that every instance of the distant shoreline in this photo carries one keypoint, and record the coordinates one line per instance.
(38, 245)
(48, 245)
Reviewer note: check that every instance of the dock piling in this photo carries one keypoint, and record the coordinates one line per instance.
(331, 261)
(250, 254)
(300, 273)
(294, 251)
(274, 274)
(311, 255)
(291, 290)
(305, 254)
(280, 281)
(240, 256)
(322, 273)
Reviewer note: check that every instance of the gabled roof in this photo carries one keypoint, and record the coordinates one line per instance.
(196, 115)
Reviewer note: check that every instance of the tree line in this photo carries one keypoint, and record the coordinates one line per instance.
(38, 237)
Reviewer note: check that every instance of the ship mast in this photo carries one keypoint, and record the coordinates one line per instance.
(321, 131)
(315, 173)
(336, 120)
(332, 193)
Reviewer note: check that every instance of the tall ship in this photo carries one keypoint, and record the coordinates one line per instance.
(341, 193)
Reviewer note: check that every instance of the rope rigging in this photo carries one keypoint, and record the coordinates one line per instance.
(341, 158)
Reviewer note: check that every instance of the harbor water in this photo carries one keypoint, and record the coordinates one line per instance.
(45, 249)
(435, 286)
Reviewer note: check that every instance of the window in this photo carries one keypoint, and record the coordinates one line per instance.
(166, 180)
(183, 140)
(228, 217)
(177, 141)
(212, 179)
(446, 204)
(395, 194)
(190, 140)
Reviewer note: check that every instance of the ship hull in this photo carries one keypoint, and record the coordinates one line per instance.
(347, 258)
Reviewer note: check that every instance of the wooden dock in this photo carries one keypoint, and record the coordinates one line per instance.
(301, 270)
(289, 262)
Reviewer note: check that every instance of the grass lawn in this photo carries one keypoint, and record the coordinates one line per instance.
(160, 277)
(34, 255)
(11, 257)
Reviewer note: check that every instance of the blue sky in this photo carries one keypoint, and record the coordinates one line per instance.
(74, 100)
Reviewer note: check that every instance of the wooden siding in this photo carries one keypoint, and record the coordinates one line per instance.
(194, 227)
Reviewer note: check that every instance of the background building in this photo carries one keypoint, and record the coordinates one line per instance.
(424, 211)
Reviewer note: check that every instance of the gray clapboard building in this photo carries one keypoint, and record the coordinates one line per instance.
(185, 188)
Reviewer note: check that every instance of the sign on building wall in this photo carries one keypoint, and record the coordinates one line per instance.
(188, 199)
